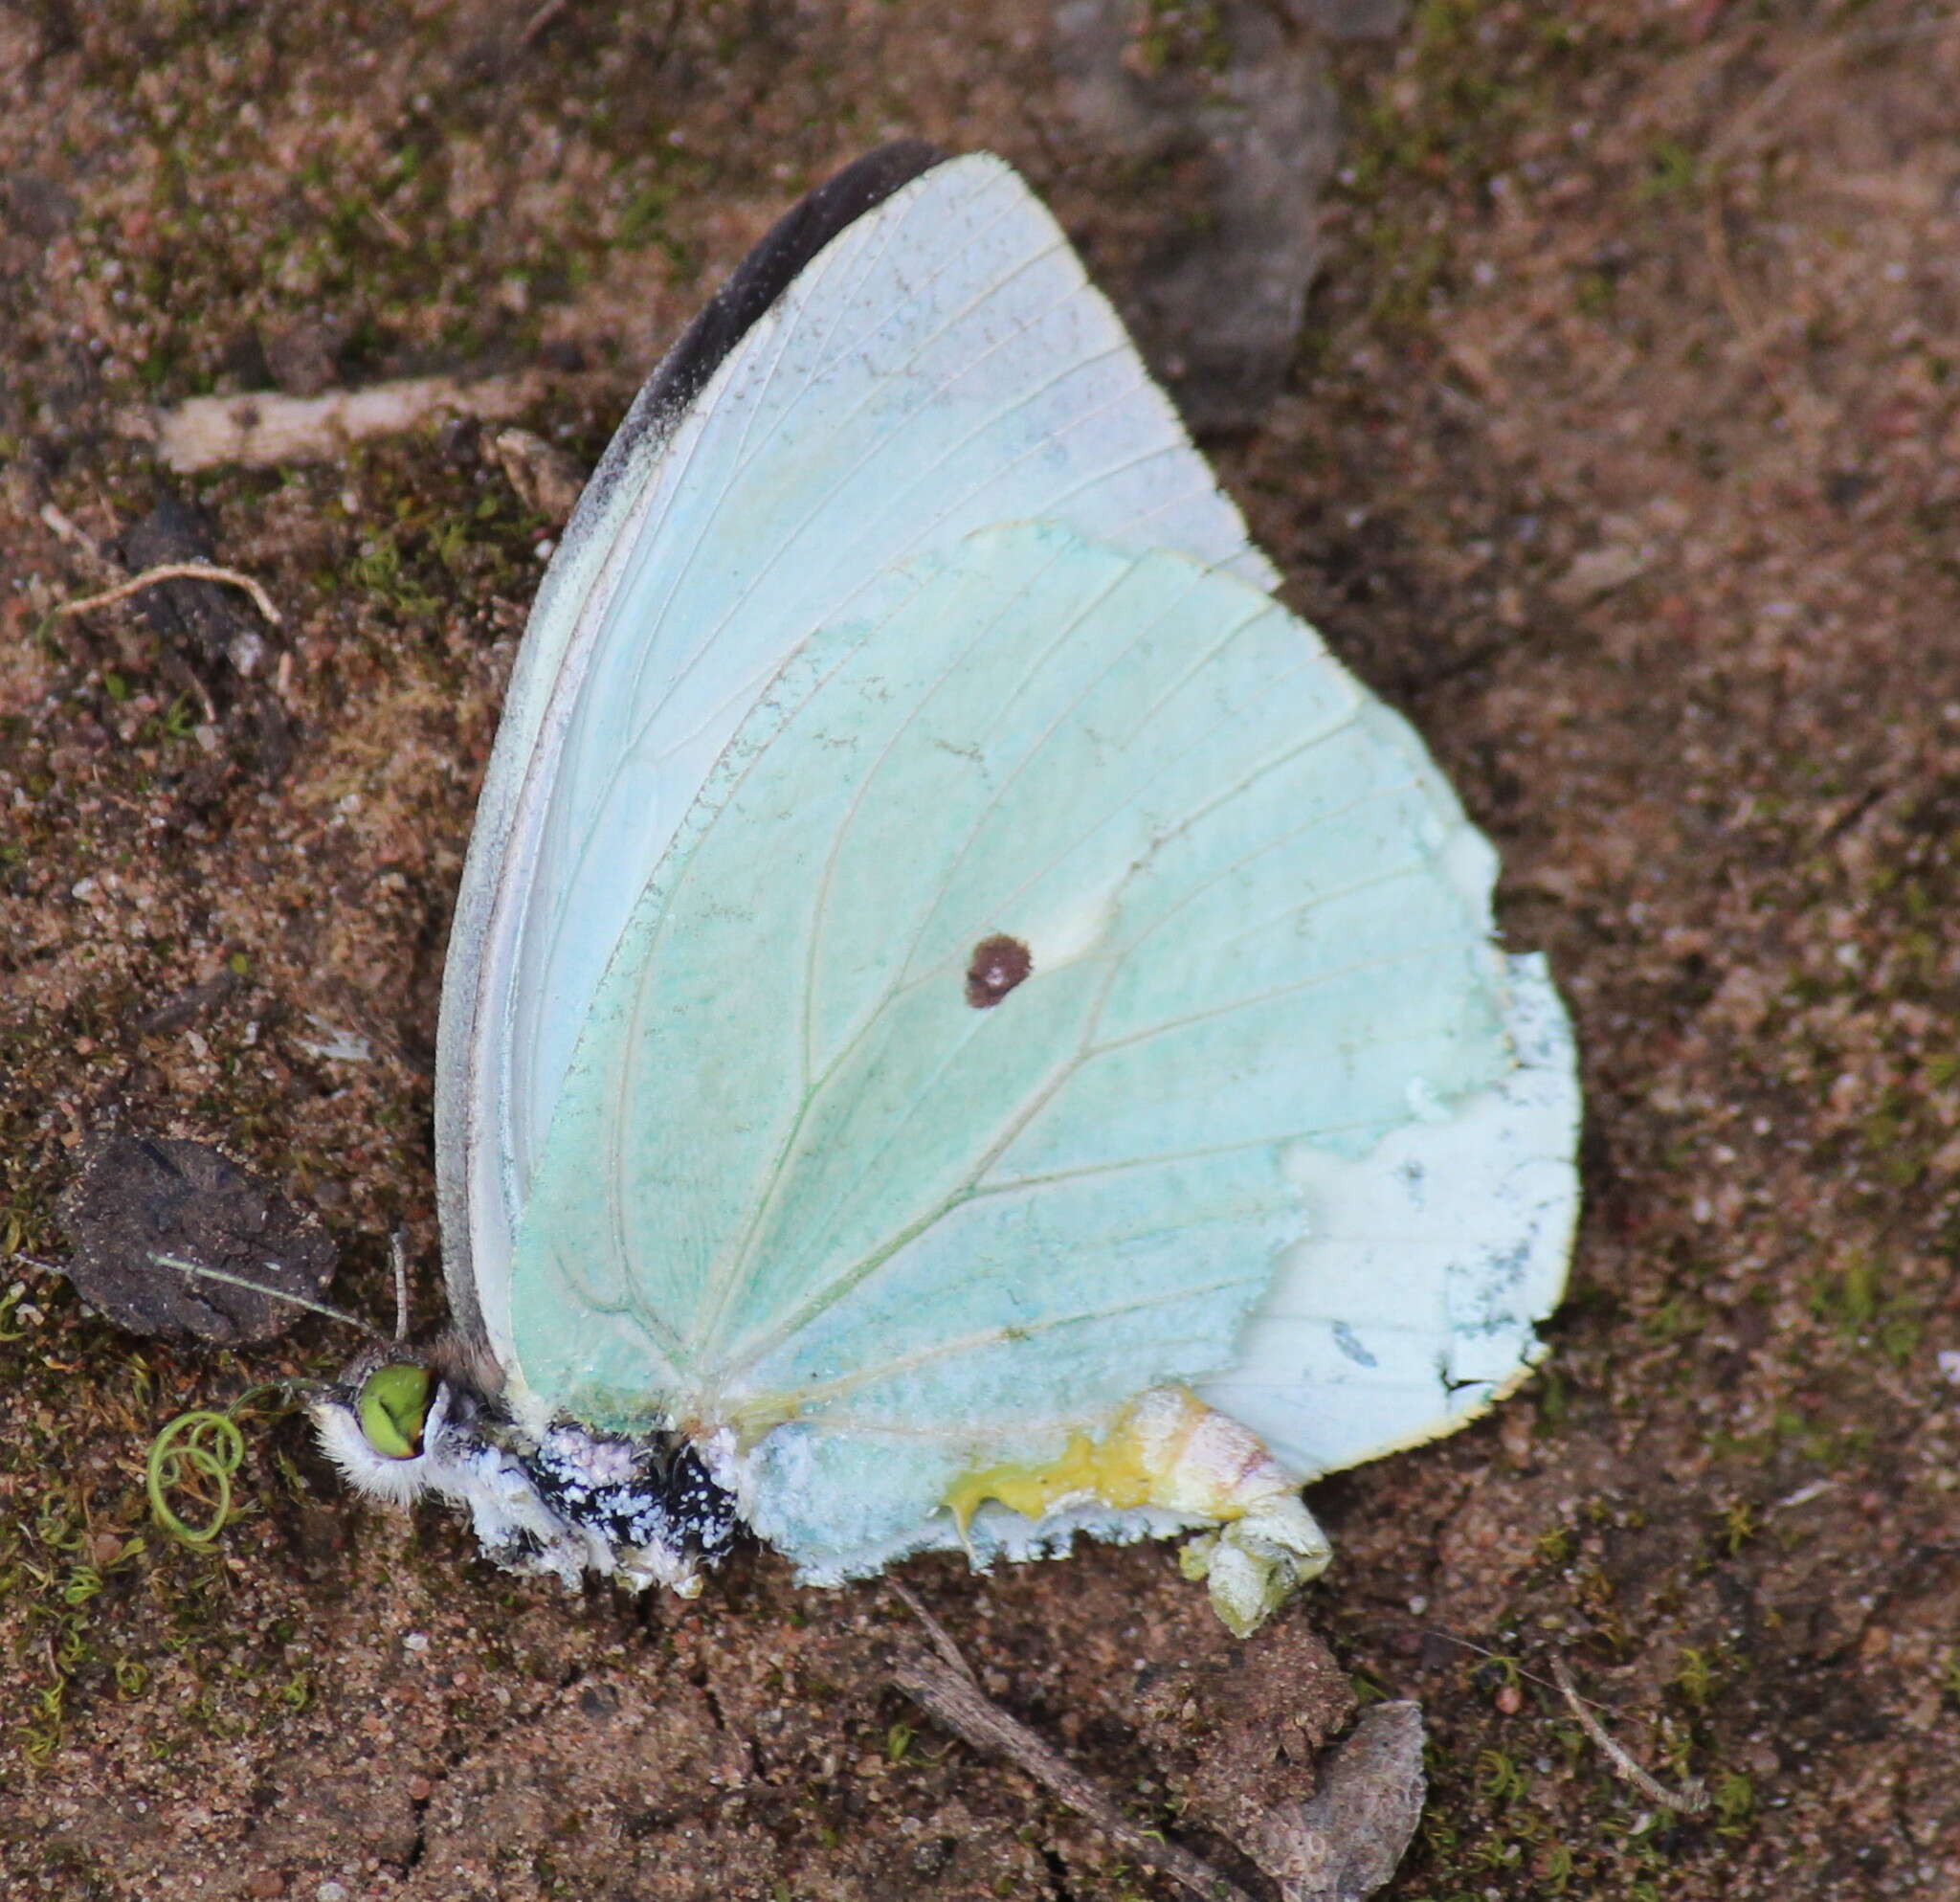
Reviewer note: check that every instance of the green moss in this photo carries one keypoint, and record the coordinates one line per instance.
(1695, 1678)
(1734, 1800)
(1673, 168)
(1169, 35)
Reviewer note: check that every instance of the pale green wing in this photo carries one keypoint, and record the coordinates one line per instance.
(913, 353)
(794, 1175)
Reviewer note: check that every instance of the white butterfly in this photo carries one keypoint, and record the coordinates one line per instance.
(964, 1024)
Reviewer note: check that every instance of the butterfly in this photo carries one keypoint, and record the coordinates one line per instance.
(964, 1026)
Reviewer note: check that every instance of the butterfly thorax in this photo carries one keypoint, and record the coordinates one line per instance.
(631, 1493)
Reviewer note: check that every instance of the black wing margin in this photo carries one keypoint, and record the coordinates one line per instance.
(755, 284)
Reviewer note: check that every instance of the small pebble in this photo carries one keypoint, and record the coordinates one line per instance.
(266, 1883)
(420, 1789)
(1509, 1699)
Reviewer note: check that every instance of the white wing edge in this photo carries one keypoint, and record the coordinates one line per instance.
(995, 1532)
(1504, 1186)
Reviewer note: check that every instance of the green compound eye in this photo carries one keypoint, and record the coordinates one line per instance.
(393, 1404)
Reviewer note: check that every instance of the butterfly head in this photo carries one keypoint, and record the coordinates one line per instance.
(396, 1423)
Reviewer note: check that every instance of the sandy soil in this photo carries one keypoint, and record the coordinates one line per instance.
(1618, 447)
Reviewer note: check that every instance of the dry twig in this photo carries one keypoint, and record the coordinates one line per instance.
(941, 1683)
(176, 571)
(941, 1638)
(71, 531)
(263, 431)
(1691, 1800)
(540, 20)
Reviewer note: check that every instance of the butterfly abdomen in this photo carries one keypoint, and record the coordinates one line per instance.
(1166, 1449)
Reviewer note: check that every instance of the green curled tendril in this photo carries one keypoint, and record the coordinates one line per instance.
(201, 1445)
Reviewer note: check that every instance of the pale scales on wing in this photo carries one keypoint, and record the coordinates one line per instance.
(913, 622)
(946, 346)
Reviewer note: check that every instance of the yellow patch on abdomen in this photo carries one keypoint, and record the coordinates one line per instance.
(1167, 1449)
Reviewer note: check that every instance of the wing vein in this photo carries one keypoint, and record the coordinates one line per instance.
(1275, 991)
(985, 1337)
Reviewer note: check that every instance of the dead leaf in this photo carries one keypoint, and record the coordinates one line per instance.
(141, 1196)
(1347, 1839)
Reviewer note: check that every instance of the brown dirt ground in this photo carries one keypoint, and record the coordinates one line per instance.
(1620, 450)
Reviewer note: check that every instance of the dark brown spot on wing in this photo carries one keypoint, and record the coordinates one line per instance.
(997, 965)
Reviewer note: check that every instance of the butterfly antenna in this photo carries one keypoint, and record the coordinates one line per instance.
(340, 1314)
(398, 1253)
(297, 1387)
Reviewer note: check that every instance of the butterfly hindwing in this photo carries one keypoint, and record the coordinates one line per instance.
(798, 1175)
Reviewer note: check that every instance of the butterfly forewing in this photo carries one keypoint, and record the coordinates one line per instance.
(941, 363)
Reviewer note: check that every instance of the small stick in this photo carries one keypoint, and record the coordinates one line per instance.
(77, 537)
(176, 571)
(540, 20)
(941, 1638)
(950, 1697)
(1496, 1657)
(398, 1254)
(266, 430)
(1693, 1796)
(271, 1293)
